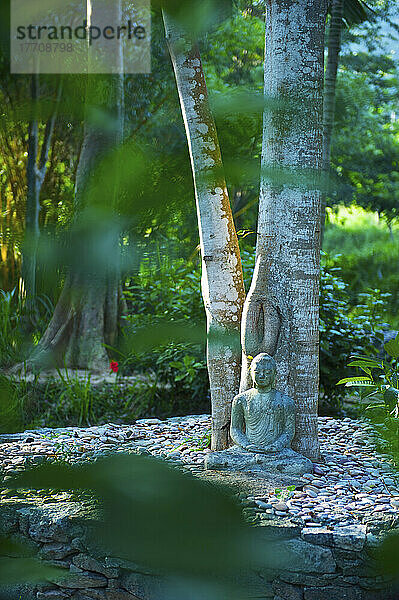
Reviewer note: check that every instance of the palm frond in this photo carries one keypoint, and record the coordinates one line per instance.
(356, 12)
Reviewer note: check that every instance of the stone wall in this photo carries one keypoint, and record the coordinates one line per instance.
(321, 564)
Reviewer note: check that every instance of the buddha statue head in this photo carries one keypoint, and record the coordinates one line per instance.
(263, 372)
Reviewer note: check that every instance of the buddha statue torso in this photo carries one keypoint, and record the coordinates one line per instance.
(264, 415)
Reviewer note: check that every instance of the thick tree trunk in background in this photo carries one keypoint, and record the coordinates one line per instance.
(330, 82)
(87, 314)
(36, 172)
(222, 281)
(281, 312)
(84, 319)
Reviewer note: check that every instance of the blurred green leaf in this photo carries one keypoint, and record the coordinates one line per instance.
(387, 555)
(17, 564)
(156, 516)
(392, 348)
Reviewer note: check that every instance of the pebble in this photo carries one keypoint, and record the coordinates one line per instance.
(354, 481)
(317, 470)
(264, 505)
(280, 506)
(311, 493)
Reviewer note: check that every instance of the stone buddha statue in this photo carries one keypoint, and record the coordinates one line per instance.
(262, 428)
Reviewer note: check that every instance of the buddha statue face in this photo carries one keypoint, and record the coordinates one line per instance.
(263, 371)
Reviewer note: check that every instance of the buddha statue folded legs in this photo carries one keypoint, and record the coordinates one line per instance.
(235, 459)
(262, 428)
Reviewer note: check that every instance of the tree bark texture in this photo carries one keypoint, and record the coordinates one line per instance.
(222, 281)
(281, 311)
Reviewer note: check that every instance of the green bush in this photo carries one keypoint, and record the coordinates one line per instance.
(376, 386)
(21, 325)
(173, 291)
(367, 253)
(374, 268)
(180, 369)
(31, 404)
(179, 380)
(10, 335)
(344, 330)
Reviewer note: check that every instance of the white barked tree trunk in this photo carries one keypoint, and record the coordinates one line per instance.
(281, 312)
(222, 281)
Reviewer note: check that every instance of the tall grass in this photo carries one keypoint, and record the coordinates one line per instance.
(10, 335)
(77, 395)
(353, 229)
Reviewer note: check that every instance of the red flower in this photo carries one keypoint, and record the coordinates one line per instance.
(114, 366)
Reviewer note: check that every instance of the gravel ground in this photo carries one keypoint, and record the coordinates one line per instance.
(354, 482)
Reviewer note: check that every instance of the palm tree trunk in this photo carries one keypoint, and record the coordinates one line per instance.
(222, 281)
(330, 81)
(281, 312)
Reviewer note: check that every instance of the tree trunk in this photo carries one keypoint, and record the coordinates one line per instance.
(222, 281)
(87, 313)
(330, 81)
(32, 231)
(36, 172)
(281, 312)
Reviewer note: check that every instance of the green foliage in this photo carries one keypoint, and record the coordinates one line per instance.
(366, 253)
(27, 403)
(62, 450)
(169, 288)
(21, 323)
(77, 393)
(198, 443)
(343, 330)
(365, 149)
(230, 62)
(10, 338)
(284, 493)
(176, 372)
(12, 405)
(169, 386)
(378, 389)
(147, 518)
(186, 368)
(381, 385)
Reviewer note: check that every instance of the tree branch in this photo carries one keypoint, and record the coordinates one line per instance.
(48, 134)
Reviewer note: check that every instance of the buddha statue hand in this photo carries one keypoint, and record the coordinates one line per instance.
(261, 449)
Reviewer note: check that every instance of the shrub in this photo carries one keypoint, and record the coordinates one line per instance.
(344, 330)
(378, 389)
(180, 369)
(178, 380)
(367, 253)
(21, 324)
